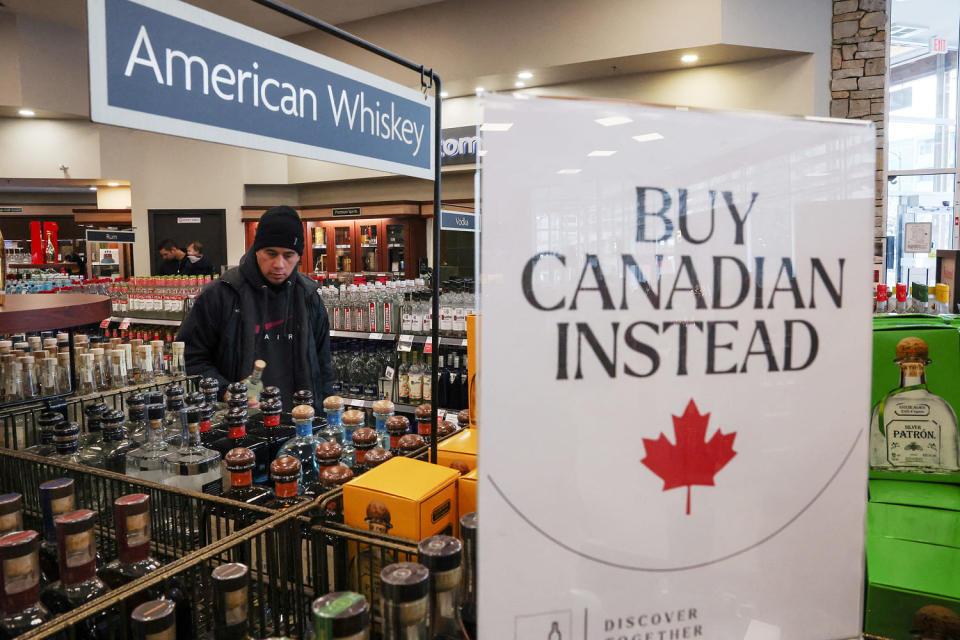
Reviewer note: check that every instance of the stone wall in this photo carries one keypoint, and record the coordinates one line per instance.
(859, 61)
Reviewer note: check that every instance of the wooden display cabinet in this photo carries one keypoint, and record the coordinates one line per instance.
(367, 245)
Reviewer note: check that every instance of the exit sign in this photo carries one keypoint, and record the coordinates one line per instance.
(938, 45)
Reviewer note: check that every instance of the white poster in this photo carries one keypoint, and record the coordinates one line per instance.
(675, 373)
(916, 237)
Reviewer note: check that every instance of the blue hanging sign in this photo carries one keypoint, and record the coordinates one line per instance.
(457, 220)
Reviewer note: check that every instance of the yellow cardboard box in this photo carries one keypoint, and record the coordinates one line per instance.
(473, 360)
(467, 493)
(462, 446)
(403, 497)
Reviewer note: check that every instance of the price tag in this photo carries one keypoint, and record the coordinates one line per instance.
(376, 336)
(428, 346)
(355, 403)
(405, 343)
(124, 324)
(388, 373)
(105, 323)
(463, 342)
(451, 416)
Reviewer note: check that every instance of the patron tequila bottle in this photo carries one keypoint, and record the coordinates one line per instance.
(912, 429)
(364, 441)
(404, 588)
(383, 410)
(397, 427)
(353, 419)
(302, 446)
(20, 585)
(333, 406)
(239, 464)
(285, 473)
(342, 615)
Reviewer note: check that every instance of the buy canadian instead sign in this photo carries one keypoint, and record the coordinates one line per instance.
(675, 369)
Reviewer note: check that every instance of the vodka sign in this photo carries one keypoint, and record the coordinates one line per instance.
(689, 295)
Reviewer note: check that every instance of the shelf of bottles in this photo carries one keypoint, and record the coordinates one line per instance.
(155, 299)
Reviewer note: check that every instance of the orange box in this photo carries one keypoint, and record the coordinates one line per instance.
(473, 362)
(462, 446)
(403, 497)
(467, 493)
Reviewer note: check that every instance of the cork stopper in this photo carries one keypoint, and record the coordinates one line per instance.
(461, 466)
(376, 456)
(259, 365)
(336, 475)
(327, 451)
(303, 412)
(364, 437)
(333, 402)
(383, 406)
(463, 418)
(445, 428)
(936, 622)
(912, 349)
(354, 417)
(285, 469)
(240, 459)
(411, 442)
(397, 425)
(423, 411)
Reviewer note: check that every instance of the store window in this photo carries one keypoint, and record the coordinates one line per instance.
(922, 138)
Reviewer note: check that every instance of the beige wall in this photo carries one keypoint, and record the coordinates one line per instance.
(113, 197)
(36, 149)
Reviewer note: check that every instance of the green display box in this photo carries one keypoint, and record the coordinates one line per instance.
(913, 559)
(942, 374)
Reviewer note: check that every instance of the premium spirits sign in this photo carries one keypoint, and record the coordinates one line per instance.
(683, 452)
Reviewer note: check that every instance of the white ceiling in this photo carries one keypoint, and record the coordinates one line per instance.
(73, 12)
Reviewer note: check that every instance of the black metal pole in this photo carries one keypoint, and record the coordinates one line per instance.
(435, 329)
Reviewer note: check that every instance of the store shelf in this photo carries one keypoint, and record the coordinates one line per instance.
(368, 404)
(49, 311)
(444, 341)
(362, 335)
(136, 320)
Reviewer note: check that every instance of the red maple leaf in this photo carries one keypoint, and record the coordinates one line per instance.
(691, 460)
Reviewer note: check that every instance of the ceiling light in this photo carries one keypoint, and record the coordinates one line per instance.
(613, 121)
(27, 112)
(689, 58)
(525, 75)
(519, 84)
(444, 94)
(648, 137)
(113, 184)
(568, 172)
(479, 90)
(600, 153)
(496, 126)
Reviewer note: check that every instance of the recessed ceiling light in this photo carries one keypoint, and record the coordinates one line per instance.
(519, 84)
(600, 153)
(113, 184)
(496, 126)
(648, 137)
(444, 94)
(27, 112)
(525, 75)
(479, 90)
(568, 172)
(613, 121)
(689, 58)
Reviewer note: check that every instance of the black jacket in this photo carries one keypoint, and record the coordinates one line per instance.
(201, 267)
(219, 334)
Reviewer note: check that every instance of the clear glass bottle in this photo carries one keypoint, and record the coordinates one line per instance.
(383, 410)
(173, 399)
(11, 513)
(193, 467)
(240, 463)
(231, 601)
(333, 406)
(85, 384)
(93, 421)
(66, 438)
(100, 381)
(404, 588)
(48, 377)
(353, 419)
(178, 364)
(136, 424)
(115, 445)
(254, 381)
(47, 421)
(416, 380)
(443, 556)
(913, 430)
(20, 611)
(302, 446)
(427, 379)
(342, 615)
(147, 461)
(28, 382)
(285, 474)
(159, 361)
(155, 620)
(145, 365)
(56, 499)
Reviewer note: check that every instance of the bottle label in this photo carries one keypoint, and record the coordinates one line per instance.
(336, 318)
(237, 432)
(286, 489)
(423, 428)
(347, 313)
(913, 442)
(387, 325)
(60, 506)
(369, 390)
(336, 387)
(407, 324)
(243, 479)
(204, 426)
(427, 389)
(78, 549)
(354, 390)
(372, 312)
(445, 321)
(459, 320)
(20, 574)
(235, 606)
(271, 420)
(416, 323)
(404, 385)
(138, 529)
(416, 387)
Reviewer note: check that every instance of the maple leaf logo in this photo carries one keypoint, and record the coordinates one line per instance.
(692, 460)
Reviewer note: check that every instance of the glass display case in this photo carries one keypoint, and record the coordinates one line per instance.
(366, 245)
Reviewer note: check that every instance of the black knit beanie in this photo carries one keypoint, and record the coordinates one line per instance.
(279, 227)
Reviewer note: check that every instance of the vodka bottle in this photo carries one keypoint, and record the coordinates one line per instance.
(145, 368)
(147, 461)
(136, 425)
(193, 467)
(20, 612)
(913, 430)
(383, 410)
(371, 374)
(56, 499)
(115, 445)
(132, 521)
(880, 304)
(100, 379)
(78, 583)
(446, 311)
(178, 365)
(231, 601)
(155, 620)
(93, 420)
(66, 440)
(254, 381)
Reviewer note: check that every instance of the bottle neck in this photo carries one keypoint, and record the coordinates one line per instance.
(271, 420)
(112, 435)
(912, 374)
(155, 431)
(67, 448)
(304, 427)
(237, 431)
(286, 489)
(240, 479)
(445, 605)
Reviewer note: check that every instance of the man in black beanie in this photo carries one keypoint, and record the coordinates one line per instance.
(264, 310)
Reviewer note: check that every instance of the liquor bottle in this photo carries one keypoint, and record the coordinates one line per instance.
(155, 620)
(468, 590)
(115, 446)
(416, 380)
(239, 463)
(236, 420)
(333, 406)
(48, 377)
(56, 499)
(397, 427)
(20, 585)
(66, 439)
(442, 392)
(178, 365)
(422, 414)
(341, 615)
(254, 381)
(901, 298)
(147, 461)
(145, 367)
(353, 419)
(231, 601)
(64, 384)
(403, 380)
(445, 428)
(463, 419)
(193, 467)
(171, 417)
(326, 455)
(49, 251)
(463, 380)
(274, 433)
(285, 474)
(136, 425)
(11, 513)
(364, 441)
(404, 588)
(47, 421)
(375, 457)
(332, 477)
(453, 392)
(427, 379)
(210, 387)
(383, 410)
(410, 444)
(912, 429)
(132, 518)
(302, 446)
(305, 396)
(207, 433)
(28, 385)
(443, 556)
(880, 301)
(78, 583)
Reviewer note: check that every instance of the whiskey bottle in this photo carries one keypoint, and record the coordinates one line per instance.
(364, 441)
(443, 556)
(383, 410)
(11, 513)
(231, 583)
(285, 473)
(193, 467)
(155, 620)
(56, 499)
(342, 615)
(333, 406)
(468, 590)
(236, 420)
(147, 461)
(404, 588)
(78, 583)
(302, 446)
(20, 585)
(132, 517)
(397, 427)
(913, 430)
(239, 464)
(353, 419)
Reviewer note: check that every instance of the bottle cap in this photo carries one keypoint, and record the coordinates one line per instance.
(67, 432)
(411, 442)
(10, 503)
(440, 553)
(153, 618)
(376, 457)
(285, 469)
(237, 389)
(303, 412)
(383, 406)
(206, 411)
(304, 396)
(912, 348)
(174, 391)
(463, 418)
(405, 581)
(209, 385)
(236, 417)
(259, 365)
(327, 451)
(270, 393)
(341, 614)
(423, 411)
(231, 576)
(354, 417)
(153, 397)
(445, 428)
(49, 419)
(240, 459)
(365, 437)
(271, 406)
(335, 475)
(333, 403)
(195, 399)
(112, 419)
(468, 525)
(75, 521)
(397, 425)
